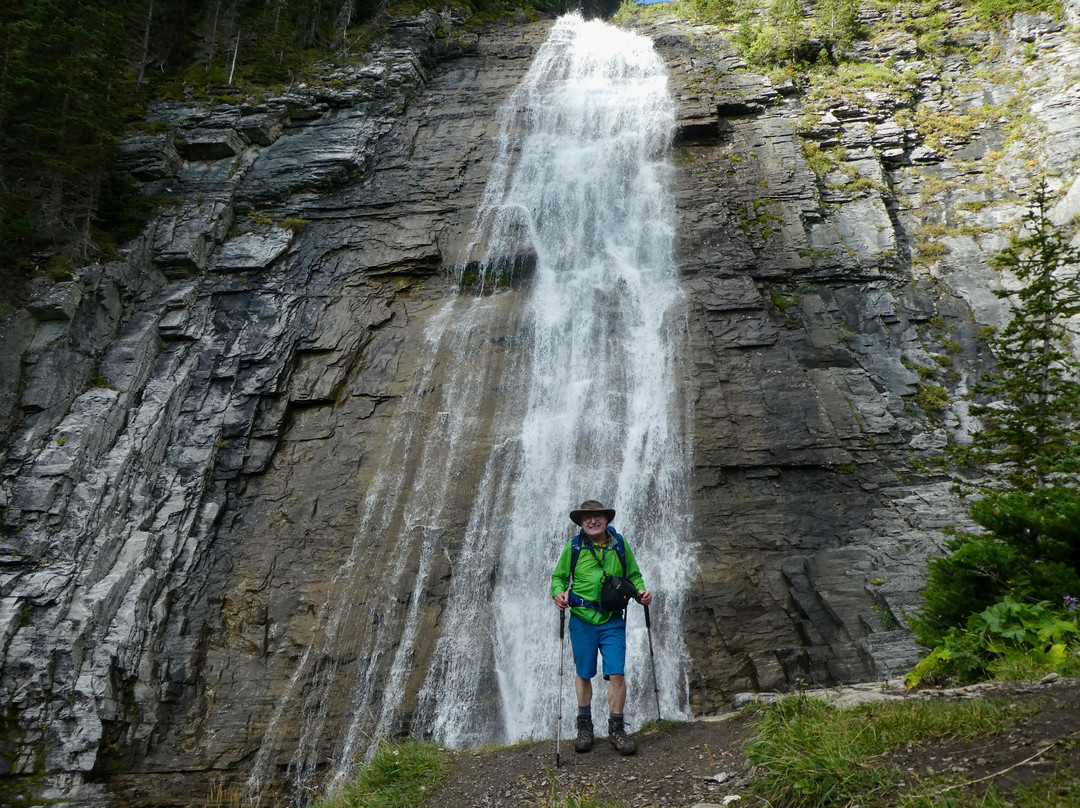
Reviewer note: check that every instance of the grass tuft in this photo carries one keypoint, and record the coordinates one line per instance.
(657, 726)
(807, 754)
(401, 775)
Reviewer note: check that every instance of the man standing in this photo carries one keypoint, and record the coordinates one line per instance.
(596, 552)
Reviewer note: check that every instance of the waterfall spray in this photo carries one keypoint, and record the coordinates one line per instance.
(580, 186)
(563, 387)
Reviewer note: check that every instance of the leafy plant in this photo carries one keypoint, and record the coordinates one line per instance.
(1031, 553)
(1007, 640)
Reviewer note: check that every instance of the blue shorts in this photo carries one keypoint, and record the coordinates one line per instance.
(608, 639)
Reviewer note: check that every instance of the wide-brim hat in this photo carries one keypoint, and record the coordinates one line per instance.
(591, 506)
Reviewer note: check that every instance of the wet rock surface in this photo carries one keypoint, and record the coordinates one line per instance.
(189, 429)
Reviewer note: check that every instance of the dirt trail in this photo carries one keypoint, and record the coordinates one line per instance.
(701, 762)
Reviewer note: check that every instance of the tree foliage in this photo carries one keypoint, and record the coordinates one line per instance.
(994, 604)
(1030, 403)
(838, 20)
(63, 88)
(75, 74)
(720, 11)
(1030, 552)
(780, 32)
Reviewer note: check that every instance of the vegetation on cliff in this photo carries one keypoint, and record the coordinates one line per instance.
(1003, 604)
(775, 32)
(75, 76)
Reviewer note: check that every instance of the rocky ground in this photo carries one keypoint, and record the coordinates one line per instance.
(700, 763)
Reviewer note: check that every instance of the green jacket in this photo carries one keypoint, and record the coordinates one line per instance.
(587, 574)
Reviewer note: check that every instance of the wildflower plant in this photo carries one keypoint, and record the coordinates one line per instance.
(1009, 640)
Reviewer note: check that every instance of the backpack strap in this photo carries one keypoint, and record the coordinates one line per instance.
(575, 551)
(620, 550)
(574, 598)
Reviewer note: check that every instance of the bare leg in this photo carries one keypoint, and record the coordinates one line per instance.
(584, 691)
(616, 693)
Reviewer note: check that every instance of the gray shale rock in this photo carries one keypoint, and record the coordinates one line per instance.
(186, 450)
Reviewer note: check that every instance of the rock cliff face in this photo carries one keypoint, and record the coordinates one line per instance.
(189, 430)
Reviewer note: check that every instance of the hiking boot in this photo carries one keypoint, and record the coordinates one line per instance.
(616, 733)
(584, 740)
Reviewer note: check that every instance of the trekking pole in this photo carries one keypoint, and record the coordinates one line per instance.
(558, 724)
(652, 659)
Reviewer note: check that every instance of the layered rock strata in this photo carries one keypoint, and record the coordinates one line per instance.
(189, 430)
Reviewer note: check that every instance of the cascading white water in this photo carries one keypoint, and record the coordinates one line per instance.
(579, 183)
(570, 392)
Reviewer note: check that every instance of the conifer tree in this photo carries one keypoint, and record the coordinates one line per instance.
(838, 20)
(1030, 403)
(65, 78)
(787, 16)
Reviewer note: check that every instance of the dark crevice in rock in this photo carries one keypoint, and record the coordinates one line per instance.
(700, 134)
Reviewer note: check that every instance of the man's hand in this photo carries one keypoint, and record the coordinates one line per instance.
(644, 597)
(561, 600)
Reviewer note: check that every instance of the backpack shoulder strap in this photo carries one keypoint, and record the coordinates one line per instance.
(575, 551)
(620, 550)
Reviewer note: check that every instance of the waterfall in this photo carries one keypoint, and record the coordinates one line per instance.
(580, 187)
(553, 377)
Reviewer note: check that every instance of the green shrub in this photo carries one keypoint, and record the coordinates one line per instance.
(1004, 9)
(1031, 552)
(932, 398)
(708, 10)
(1008, 640)
(838, 20)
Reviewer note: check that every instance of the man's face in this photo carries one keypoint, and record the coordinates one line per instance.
(594, 525)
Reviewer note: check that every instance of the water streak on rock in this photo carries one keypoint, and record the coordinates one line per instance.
(580, 183)
(579, 401)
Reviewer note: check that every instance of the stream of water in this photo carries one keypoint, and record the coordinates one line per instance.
(572, 257)
(581, 188)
